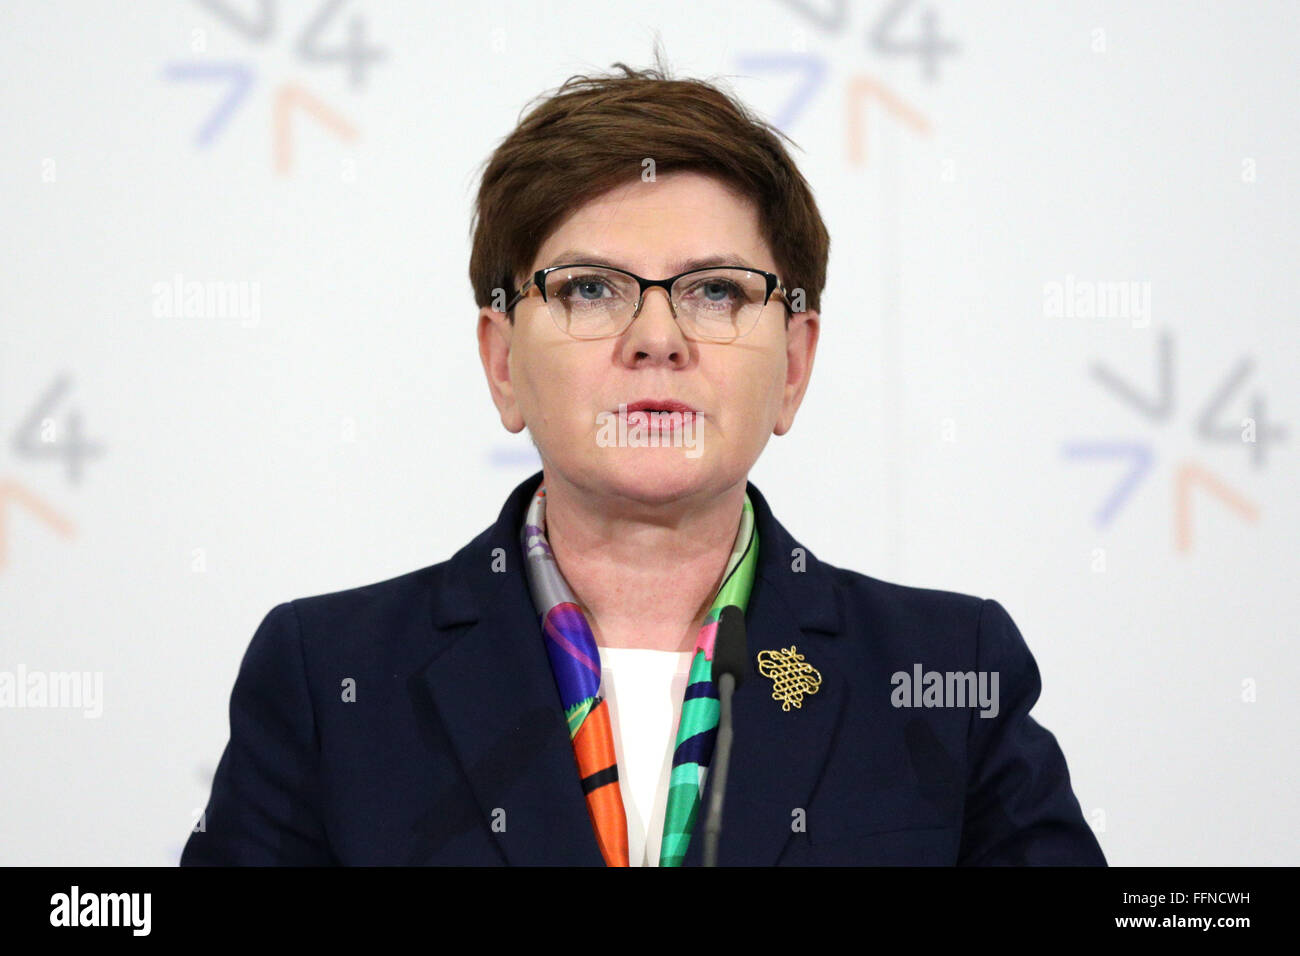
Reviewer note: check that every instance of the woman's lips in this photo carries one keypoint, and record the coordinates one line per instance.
(659, 415)
(656, 405)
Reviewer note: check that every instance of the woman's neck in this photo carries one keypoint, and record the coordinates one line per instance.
(646, 574)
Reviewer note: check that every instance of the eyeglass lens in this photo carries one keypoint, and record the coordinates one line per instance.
(719, 304)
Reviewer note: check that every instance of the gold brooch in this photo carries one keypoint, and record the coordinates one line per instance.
(792, 676)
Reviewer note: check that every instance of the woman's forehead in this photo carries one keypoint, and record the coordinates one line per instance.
(579, 254)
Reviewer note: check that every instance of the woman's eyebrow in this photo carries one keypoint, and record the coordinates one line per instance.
(685, 265)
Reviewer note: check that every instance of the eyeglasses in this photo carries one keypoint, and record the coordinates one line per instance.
(714, 304)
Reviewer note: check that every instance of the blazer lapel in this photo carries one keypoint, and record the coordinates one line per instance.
(492, 687)
(777, 756)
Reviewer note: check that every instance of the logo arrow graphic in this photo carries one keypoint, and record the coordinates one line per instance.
(1191, 476)
(812, 68)
(255, 29)
(833, 19)
(1162, 406)
(864, 88)
(1141, 458)
(11, 491)
(240, 78)
(291, 97)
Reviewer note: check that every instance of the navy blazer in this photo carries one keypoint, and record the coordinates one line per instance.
(455, 749)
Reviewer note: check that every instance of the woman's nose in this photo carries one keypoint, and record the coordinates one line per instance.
(659, 296)
(654, 330)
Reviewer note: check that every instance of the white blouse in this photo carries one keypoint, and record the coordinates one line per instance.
(644, 690)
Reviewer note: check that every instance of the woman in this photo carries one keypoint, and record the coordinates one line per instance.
(648, 262)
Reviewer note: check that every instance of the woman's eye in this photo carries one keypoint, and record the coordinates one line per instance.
(587, 288)
(715, 292)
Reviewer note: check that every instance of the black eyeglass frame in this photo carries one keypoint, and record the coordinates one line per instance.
(538, 280)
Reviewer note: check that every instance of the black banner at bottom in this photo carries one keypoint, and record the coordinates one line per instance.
(309, 905)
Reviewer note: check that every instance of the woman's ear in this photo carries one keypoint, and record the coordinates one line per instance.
(495, 339)
(800, 350)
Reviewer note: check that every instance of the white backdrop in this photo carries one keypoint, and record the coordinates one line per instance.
(167, 477)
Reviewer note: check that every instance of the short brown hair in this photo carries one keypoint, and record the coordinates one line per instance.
(593, 133)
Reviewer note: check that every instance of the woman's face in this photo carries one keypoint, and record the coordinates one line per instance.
(568, 392)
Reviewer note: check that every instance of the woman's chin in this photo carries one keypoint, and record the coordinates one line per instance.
(655, 474)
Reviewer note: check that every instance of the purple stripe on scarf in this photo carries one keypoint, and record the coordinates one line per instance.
(570, 646)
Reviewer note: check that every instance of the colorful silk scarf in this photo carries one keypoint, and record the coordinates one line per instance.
(575, 662)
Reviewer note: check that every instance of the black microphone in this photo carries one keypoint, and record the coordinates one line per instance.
(729, 667)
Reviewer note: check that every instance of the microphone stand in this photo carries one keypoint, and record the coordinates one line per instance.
(721, 760)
